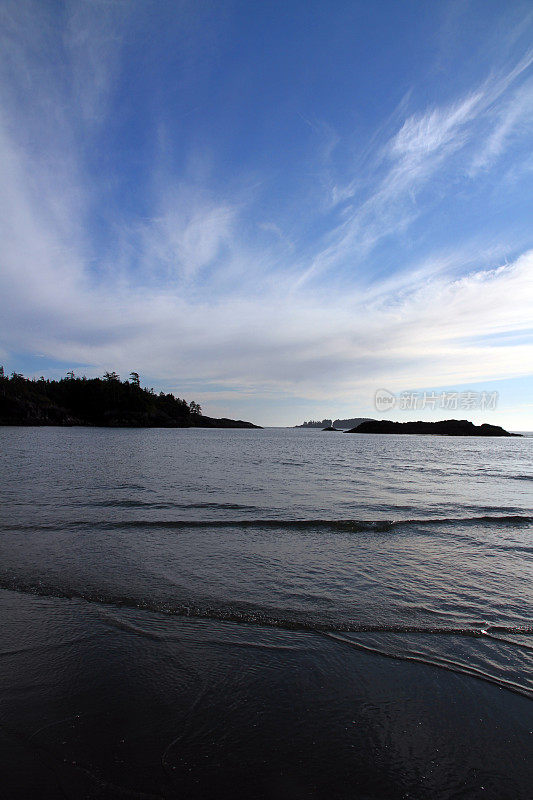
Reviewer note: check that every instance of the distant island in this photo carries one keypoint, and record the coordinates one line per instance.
(447, 427)
(106, 402)
(327, 424)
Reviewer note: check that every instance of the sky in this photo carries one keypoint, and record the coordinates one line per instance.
(275, 209)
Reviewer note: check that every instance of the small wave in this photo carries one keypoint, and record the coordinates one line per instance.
(342, 525)
(247, 615)
(263, 618)
(167, 504)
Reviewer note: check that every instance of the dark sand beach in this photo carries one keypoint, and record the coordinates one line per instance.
(100, 701)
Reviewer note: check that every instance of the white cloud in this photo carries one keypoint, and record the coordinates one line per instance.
(406, 335)
(423, 134)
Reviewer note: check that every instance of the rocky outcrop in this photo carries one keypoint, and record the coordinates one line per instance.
(447, 427)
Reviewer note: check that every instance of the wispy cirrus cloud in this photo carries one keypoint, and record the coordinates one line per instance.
(433, 142)
(188, 235)
(513, 119)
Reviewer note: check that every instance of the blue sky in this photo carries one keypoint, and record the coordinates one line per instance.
(273, 208)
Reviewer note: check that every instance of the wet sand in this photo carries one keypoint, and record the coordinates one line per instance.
(103, 702)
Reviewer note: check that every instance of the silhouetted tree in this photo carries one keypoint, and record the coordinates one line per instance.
(135, 379)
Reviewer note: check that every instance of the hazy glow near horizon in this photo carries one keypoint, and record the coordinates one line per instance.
(273, 209)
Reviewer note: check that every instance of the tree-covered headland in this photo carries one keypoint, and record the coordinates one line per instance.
(107, 401)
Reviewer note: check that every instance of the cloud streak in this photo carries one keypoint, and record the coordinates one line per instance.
(426, 143)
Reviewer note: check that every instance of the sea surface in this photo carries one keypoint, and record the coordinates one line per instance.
(277, 613)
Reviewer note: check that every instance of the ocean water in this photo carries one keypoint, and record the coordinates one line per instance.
(271, 613)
